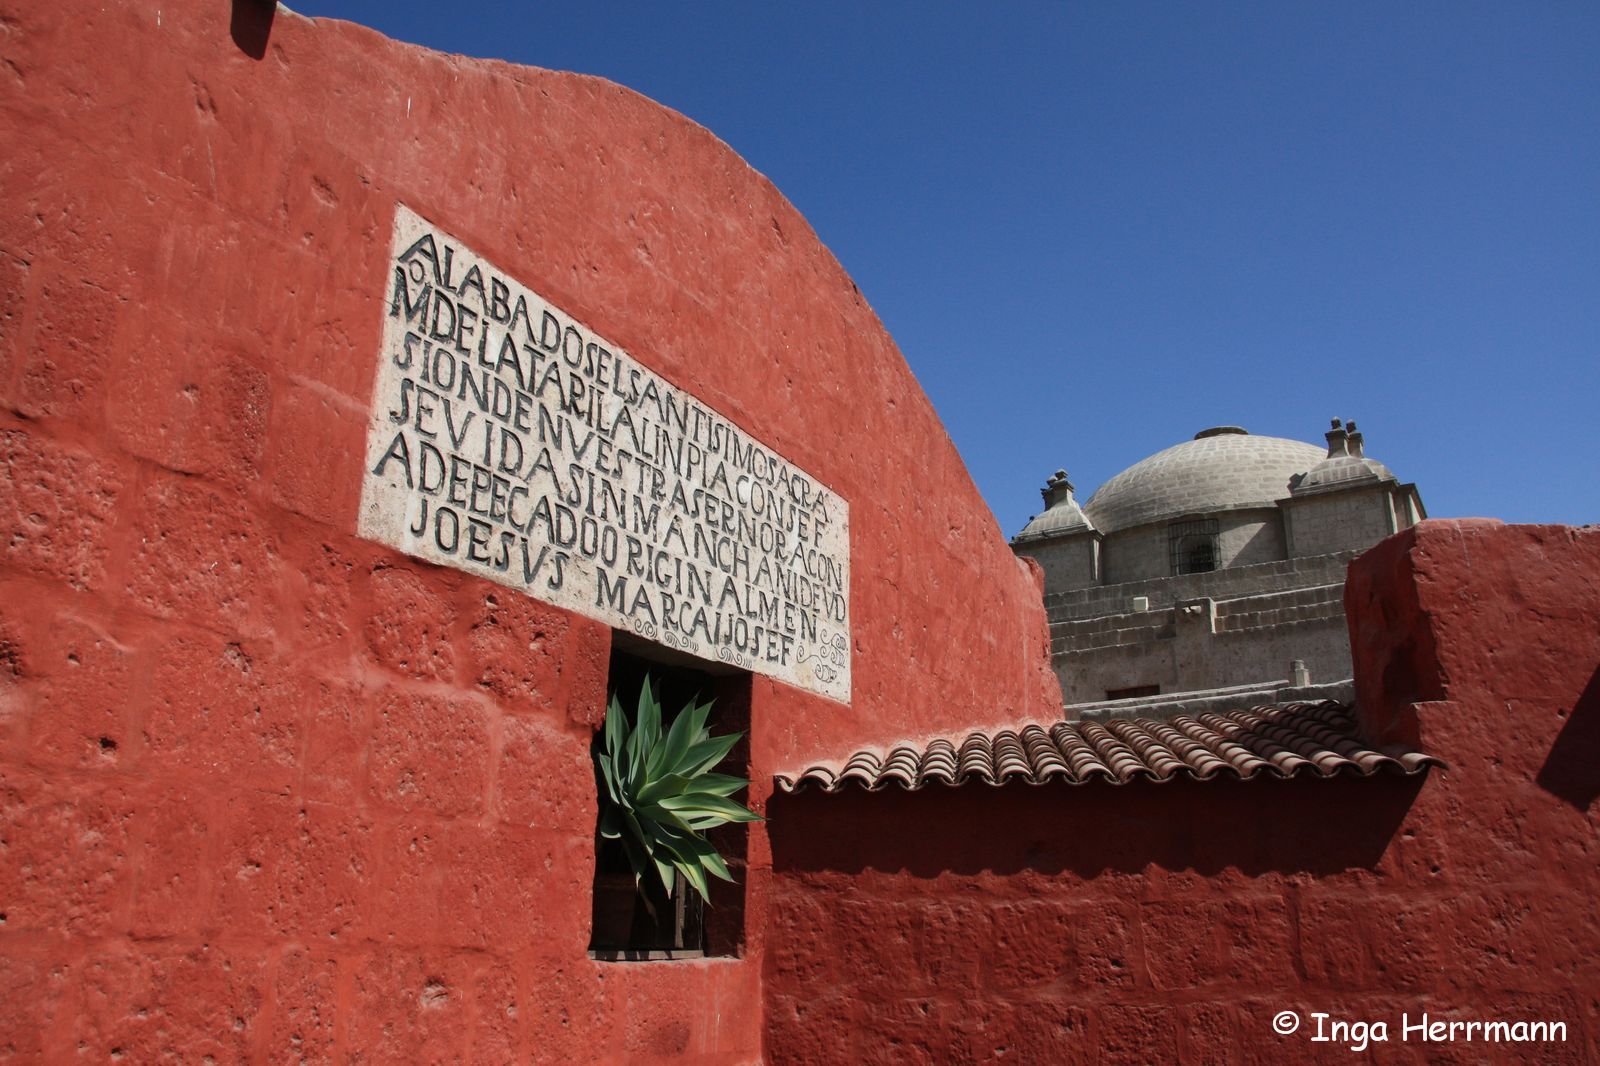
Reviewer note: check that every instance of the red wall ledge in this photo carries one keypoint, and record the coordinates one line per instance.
(1465, 616)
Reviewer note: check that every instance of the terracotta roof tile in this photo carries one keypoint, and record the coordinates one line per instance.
(1315, 739)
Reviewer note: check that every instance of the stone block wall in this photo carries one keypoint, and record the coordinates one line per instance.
(1144, 553)
(1253, 640)
(1172, 922)
(1138, 554)
(1340, 521)
(1265, 616)
(1218, 585)
(1245, 538)
(1067, 562)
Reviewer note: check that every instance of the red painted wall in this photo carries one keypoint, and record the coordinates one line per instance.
(1171, 922)
(266, 788)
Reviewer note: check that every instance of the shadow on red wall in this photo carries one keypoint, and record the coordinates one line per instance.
(1571, 772)
(1256, 827)
(250, 25)
(1060, 923)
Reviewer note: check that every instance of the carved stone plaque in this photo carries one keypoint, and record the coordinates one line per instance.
(511, 441)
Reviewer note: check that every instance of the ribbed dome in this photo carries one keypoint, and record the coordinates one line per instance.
(1341, 471)
(1346, 465)
(1062, 514)
(1064, 517)
(1222, 469)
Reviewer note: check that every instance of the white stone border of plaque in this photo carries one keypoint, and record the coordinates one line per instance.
(509, 440)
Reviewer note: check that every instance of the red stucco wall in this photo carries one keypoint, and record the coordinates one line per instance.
(267, 788)
(1171, 922)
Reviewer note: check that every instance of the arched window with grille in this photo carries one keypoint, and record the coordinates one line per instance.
(1193, 546)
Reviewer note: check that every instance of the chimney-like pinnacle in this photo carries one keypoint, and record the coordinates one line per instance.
(1338, 440)
(1055, 490)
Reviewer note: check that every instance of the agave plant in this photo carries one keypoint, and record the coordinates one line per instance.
(659, 795)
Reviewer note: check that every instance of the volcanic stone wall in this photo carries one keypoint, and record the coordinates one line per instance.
(268, 788)
(1174, 922)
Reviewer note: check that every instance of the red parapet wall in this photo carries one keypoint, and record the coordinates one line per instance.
(1173, 922)
(1473, 611)
(270, 790)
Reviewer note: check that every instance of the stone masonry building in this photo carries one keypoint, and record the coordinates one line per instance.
(1213, 569)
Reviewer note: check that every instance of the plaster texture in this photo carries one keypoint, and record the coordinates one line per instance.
(269, 790)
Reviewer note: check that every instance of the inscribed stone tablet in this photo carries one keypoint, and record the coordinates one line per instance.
(511, 441)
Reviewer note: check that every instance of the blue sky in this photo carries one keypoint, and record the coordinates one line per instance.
(1095, 229)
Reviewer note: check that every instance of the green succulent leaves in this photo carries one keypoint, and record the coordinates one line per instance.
(659, 795)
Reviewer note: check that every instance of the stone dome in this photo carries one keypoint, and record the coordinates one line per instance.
(1345, 466)
(1341, 471)
(1061, 515)
(1222, 469)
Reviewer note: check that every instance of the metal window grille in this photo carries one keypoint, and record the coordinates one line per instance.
(1193, 546)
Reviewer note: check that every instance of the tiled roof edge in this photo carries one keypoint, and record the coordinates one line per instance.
(1288, 740)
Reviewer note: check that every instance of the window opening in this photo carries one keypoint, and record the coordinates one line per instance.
(636, 922)
(1193, 546)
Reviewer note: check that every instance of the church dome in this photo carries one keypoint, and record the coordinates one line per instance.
(1346, 465)
(1062, 514)
(1222, 469)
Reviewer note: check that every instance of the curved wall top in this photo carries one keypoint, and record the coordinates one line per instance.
(216, 671)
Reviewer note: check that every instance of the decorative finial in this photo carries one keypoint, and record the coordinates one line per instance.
(1055, 490)
(1338, 440)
